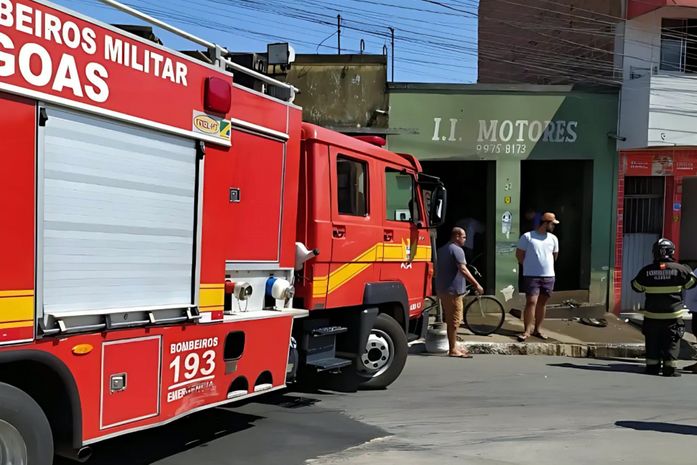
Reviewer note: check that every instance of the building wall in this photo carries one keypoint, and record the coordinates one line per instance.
(657, 107)
(634, 105)
(342, 92)
(543, 42)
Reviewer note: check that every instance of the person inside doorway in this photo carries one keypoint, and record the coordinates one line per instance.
(531, 219)
(473, 228)
(537, 251)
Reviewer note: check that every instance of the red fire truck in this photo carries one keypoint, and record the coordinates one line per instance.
(172, 241)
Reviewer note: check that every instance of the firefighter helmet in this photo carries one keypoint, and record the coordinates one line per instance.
(663, 249)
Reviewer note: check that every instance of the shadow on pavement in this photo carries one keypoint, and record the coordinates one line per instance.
(279, 428)
(659, 427)
(638, 361)
(611, 367)
(159, 443)
(508, 332)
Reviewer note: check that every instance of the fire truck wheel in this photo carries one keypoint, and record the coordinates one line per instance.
(25, 434)
(385, 354)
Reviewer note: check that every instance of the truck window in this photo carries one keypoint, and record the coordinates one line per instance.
(399, 192)
(352, 176)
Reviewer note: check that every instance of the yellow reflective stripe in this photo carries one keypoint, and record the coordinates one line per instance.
(394, 252)
(24, 293)
(662, 289)
(348, 272)
(423, 254)
(652, 361)
(670, 363)
(17, 308)
(637, 287)
(211, 295)
(663, 316)
(212, 286)
(17, 324)
(381, 252)
(319, 286)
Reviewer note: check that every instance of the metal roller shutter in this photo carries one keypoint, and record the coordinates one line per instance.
(118, 215)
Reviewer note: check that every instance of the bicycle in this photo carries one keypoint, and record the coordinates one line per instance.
(484, 314)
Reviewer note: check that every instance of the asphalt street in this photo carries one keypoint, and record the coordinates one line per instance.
(484, 411)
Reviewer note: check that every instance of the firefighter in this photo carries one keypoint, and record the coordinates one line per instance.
(663, 282)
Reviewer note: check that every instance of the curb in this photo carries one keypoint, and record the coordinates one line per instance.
(590, 350)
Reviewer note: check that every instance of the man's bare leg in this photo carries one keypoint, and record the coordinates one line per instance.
(452, 340)
(540, 310)
(529, 314)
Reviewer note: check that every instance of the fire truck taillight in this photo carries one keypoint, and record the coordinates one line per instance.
(217, 96)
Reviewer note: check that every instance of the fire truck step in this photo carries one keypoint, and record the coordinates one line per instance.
(328, 331)
(326, 364)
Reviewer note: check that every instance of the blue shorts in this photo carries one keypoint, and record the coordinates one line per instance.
(534, 285)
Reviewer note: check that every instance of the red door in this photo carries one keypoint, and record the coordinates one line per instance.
(130, 381)
(356, 226)
(254, 173)
(406, 248)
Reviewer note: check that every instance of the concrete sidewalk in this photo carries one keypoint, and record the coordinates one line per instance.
(567, 337)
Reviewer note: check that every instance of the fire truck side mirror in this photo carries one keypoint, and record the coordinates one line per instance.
(438, 204)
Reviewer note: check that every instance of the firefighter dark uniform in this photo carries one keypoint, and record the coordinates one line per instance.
(663, 282)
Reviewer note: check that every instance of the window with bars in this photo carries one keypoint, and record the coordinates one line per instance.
(679, 45)
(643, 204)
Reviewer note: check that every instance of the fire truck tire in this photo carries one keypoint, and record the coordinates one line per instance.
(25, 434)
(385, 354)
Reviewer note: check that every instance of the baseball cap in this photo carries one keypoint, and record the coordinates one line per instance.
(550, 217)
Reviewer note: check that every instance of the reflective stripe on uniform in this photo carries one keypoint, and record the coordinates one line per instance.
(663, 316)
(652, 361)
(662, 289)
(670, 363)
(691, 282)
(637, 287)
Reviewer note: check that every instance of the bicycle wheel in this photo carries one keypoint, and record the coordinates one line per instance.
(484, 315)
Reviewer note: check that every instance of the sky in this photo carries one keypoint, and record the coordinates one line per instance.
(435, 41)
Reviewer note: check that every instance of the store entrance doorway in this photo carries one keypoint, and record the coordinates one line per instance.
(564, 187)
(471, 189)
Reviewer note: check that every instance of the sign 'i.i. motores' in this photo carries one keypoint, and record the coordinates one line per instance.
(49, 54)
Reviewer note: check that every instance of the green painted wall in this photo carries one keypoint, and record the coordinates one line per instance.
(510, 125)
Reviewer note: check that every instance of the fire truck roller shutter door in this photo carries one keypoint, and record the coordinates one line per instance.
(117, 230)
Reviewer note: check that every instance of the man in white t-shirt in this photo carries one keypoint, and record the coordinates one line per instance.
(537, 251)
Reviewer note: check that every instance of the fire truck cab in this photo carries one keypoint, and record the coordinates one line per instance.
(361, 208)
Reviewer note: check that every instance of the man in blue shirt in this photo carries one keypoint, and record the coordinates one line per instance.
(451, 273)
(537, 251)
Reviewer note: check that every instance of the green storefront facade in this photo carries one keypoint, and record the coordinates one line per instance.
(509, 150)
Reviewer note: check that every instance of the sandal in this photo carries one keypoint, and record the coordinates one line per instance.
(597, 322)
(539, 335)
(522, 337)
(460, 355)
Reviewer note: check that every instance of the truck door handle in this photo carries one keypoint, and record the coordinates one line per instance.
(117, 383)
(389, 235)
(339, 231)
